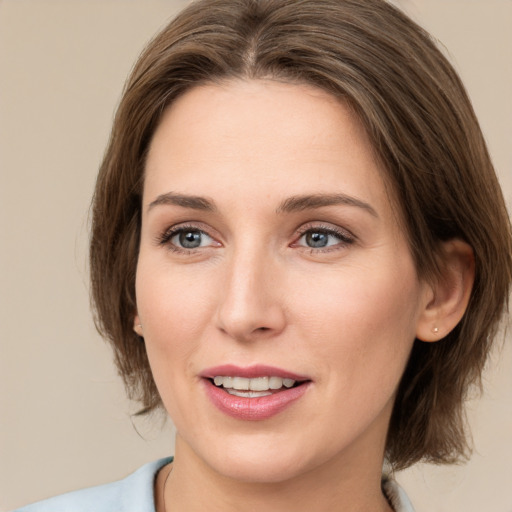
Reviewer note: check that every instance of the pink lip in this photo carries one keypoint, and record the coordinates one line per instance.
(252, 409)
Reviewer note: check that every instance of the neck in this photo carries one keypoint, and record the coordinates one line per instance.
(335, 485)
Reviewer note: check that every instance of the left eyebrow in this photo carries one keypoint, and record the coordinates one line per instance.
(313, 201)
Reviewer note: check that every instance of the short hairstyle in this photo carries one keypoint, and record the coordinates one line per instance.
(371, 56)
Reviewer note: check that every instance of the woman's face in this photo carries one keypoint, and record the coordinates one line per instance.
(271, 256)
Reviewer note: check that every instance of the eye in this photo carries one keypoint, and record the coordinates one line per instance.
(186, 238)
(190, 239)
(324, 238)
(316, 239)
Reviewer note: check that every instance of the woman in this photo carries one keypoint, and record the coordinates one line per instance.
(300, 250)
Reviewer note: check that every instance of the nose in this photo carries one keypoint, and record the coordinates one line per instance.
(252, 302)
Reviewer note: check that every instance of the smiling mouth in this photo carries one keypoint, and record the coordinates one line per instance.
(255, 387)
(254, 393)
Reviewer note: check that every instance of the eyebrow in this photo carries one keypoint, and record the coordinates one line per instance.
(313, 201)
(289, 205)
(185, 201)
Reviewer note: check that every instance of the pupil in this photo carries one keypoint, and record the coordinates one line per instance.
(316, 239)
(190, 239)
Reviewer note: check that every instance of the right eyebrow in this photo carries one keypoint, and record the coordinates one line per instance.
(185, 201)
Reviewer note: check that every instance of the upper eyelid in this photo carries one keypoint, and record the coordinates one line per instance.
(191, 225)
(328, 227)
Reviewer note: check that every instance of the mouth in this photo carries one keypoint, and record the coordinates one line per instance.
(254, 387)
(254, 393)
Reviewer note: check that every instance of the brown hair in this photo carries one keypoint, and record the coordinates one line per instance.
(423, 128)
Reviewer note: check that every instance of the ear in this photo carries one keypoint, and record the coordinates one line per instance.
(450, 295)
(137, 326)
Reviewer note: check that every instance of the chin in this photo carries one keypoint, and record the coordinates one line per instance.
(266, 469)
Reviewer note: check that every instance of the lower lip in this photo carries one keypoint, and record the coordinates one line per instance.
(253, 409)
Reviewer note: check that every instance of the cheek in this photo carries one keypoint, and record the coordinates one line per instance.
(174, 309)
(363, 321)
(362, 346)
(170, 300)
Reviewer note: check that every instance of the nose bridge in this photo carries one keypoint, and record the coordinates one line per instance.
(251, 304)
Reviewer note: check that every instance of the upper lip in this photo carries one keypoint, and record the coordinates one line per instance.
(250, 372)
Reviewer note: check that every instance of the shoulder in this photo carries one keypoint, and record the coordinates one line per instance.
(134, 492)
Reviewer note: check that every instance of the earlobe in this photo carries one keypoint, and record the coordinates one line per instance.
(450, 295)
(137, 326)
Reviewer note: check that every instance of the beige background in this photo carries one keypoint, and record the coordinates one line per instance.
(64, 421)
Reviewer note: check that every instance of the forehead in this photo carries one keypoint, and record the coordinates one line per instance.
(262, 138)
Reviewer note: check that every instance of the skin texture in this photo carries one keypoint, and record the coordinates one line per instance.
(254, 292)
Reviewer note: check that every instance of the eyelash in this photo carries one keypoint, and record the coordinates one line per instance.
(345, 238)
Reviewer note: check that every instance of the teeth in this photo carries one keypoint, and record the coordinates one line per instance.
(275, 382)
(258, 384)
(239, 383)
(288, 383)
(255, 384)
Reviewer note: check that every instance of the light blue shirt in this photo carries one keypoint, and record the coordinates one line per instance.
(135, 493)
